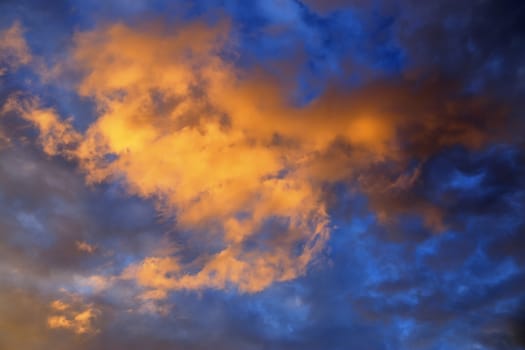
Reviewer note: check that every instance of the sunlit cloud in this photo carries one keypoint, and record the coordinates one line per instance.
(79, 321)
(271, 174)
(225, 153)
(171, 143)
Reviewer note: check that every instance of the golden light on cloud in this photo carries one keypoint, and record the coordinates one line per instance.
(292, 174)
(78, 321)
(59, 305)
(174, 146)
(222, 151)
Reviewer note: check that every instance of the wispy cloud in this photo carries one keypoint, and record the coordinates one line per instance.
(14, 51)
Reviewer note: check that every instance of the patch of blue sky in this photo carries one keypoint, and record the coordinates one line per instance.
(384, 262)
(431, 245)
(498, 272)
(405, 326)
(281, 317)
(507, 306)
(34, 231)
(68, 104)
(463, 181)
(287, 11)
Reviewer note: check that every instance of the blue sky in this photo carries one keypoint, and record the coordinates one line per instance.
(271, 174)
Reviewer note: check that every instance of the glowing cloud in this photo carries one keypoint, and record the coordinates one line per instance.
(223, 150)
(65, 316)
(171, 143)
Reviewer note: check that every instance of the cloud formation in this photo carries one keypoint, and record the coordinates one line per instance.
(14, 51)
(281, 174)
(65, 317)
(226, 153)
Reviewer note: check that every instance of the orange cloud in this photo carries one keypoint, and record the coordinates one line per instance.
(226, 153)
(59, 305)
(56, 135)
(174, 145)
(79, 321)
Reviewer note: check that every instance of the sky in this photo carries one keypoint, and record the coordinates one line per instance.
(266, 174)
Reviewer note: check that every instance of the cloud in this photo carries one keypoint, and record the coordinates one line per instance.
(55, 133)
(240, 167)
(85, 247)
(79, 320)
(381, 205)
(210, 179)
(14, 51)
